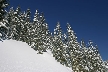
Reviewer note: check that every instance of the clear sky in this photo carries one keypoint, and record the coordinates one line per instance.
(88, 18)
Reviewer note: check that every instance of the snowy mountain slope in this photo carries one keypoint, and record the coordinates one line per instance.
(17, 56)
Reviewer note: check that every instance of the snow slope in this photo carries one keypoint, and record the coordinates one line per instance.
(16, 56)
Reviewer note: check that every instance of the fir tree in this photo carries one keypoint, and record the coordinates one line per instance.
(20, 26)
(39, 32)
(13, 22)
(3, 5)
(73, 48)
(65, 50)
(3, 28)
(33, 31)
(84, 59)
(94, 59)
(26, 26)
(59, 50)
(45, 34)
(10, 22)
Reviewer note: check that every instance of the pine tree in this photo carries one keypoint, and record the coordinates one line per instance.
(94, 59)
(39, 32)
(59, 46)
(26, 26)
(73, 48)
(3, 28)
(84, 59)
(9, 18)
(33, 31)
(13, 22)
(3, 5)
(20, 26)
(99, 64)
(100, 61)
(16, 21)
(45, 34)
(65, 50)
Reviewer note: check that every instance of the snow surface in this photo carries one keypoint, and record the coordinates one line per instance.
(16, 56)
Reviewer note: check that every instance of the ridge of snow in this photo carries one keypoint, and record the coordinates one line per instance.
(16, 56)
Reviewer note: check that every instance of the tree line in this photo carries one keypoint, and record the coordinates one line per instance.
(18, 25)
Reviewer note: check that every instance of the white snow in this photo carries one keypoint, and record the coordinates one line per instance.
(107, 67)
(1, 24)
(16, 56)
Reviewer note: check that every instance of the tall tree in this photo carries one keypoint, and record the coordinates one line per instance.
(65, 52)
(9, 18)
(73, 48)
(3, 28)
(58, 50)
(13, 22)
(26, 26)
(33, 31)
(39, 32)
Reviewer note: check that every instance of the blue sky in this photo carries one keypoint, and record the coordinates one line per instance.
(88, 18)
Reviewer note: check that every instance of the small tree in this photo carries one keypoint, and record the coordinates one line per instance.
(94, 59)
(84, 54)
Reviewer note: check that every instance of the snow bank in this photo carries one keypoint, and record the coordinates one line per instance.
(17, 56)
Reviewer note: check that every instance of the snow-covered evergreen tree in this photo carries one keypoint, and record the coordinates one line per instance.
(33, 31)
(99, 60)
(9, 18)
(84, 55)
(94, 59)
(39, 33)
(58, 51)
(3, 5)
(73, 48)
(45, 34)
(26, 26)
(13, 22)
(3, 28)
(20, 26)
(66, 51)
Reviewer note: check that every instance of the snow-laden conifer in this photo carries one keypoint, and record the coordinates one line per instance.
(95, 62)
(73, 48)
(58, 51)
(3, 5)
(39, 33)
(3, 28)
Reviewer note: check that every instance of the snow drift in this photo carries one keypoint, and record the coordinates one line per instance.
(16, 56)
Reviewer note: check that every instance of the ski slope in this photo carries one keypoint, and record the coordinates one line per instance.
(16, 56)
